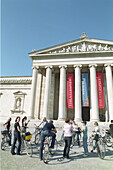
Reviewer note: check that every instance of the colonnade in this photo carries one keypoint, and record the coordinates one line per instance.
(94, 112)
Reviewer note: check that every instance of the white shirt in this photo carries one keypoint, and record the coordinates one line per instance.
(97, 130)
(68, 130)
(75, 129)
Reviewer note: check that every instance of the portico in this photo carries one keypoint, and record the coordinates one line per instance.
(49, 81)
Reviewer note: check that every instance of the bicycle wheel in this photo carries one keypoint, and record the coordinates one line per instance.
(53, 150)
(109, 141)
(90, 143)
(46, 153)
(101, 149)
(28, 148)
(37, 139)
(2, 144)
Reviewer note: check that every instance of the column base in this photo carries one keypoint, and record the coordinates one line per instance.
(61, 119)
(30, 117)
(78, 120)
(94, 120)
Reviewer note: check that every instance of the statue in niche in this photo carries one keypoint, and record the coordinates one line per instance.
(74, 48)
(83, 48)
(18, 104)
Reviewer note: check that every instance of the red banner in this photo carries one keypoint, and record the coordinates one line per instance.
(99, 77)
(70, 90)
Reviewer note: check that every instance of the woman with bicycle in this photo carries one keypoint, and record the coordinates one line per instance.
(96, 136)
(7, 129)
(24, 124)
(17, 137)
(68, 129)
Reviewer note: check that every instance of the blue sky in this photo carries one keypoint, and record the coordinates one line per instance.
(38, 24)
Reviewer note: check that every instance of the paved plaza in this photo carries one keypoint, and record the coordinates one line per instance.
(77, 161)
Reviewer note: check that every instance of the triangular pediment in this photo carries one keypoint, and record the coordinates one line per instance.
(82, 45)
(19, 93)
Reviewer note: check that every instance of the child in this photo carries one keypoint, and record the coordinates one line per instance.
(85, 139)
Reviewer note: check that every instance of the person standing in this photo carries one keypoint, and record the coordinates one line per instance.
(76, 131)
(7, 129)
(111, 131)
(17, 137)
(68, 129)
(85, 139)
(24, 124)
(96, 136)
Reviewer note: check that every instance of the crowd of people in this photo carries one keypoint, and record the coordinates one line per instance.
(70, 129)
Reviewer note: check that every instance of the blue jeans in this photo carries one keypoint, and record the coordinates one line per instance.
(85, 145)
(77, 133)
(68, 141)
(17, 137)
(43, 135)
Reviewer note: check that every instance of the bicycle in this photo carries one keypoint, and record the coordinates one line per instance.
(26, 144)
(47, 151)
(99, 145)
(107, 137)
(37, 133)
(5, 139)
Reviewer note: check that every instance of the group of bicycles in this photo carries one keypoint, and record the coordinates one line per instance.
(104, 140)
(26, 145)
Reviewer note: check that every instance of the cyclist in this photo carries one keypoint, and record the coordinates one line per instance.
(46, 131)
(96, 136)
(111, 131)
(43, 122)
(7, 128)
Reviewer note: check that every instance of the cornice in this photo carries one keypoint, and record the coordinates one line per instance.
(15, 81)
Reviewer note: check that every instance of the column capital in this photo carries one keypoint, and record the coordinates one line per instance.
(35, 67)
(108, 64)
(79, 65)
(49, 67)
(63, 66)
(93, 65)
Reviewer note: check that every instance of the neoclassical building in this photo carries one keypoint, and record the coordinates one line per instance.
(73, 80)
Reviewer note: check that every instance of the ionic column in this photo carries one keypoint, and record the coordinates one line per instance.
(94, 113)
(47, 91)
(109, 80)
(33, 91)
(62, 93)
(78, 113)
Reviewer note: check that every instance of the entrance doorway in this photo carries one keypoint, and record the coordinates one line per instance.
(86, 113)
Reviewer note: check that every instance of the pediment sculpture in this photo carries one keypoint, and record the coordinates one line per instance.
(83, 47)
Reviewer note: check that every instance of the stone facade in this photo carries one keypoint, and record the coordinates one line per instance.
(44, 94)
